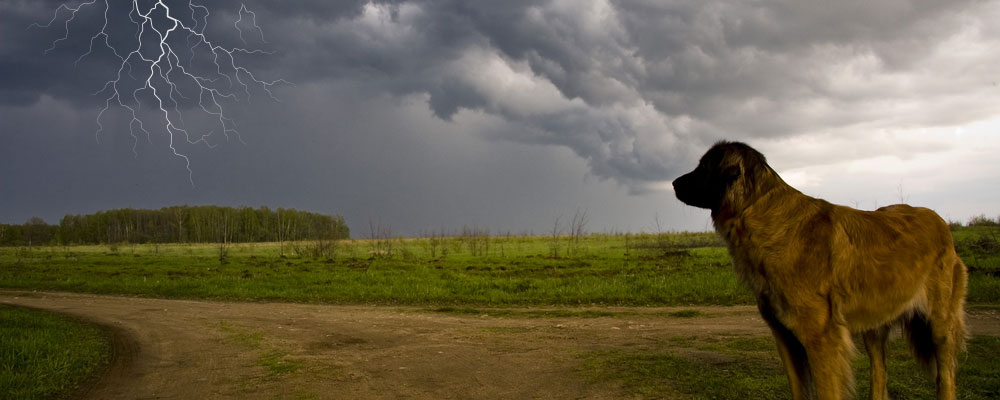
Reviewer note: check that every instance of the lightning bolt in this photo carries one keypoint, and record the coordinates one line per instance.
(153, 52)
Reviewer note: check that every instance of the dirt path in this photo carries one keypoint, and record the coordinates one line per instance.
(180, 349)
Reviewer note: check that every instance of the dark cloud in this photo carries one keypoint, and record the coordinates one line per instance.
(723, 69)
(632, 91)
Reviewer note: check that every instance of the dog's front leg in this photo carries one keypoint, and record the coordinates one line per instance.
(793, 358)
(828, 348)
(793, 354)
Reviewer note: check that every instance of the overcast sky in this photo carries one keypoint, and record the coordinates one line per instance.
(503, 114)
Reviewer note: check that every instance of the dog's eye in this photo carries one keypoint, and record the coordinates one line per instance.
(732, 172)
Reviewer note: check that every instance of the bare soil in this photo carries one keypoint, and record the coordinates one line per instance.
(183, 349)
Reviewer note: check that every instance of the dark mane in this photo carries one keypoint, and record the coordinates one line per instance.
(751, 155)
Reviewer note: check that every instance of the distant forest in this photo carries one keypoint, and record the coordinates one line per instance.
(178, 224)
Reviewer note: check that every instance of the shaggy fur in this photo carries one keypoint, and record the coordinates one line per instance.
(822, 271)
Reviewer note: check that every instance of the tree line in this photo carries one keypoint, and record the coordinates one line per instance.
(178, 224)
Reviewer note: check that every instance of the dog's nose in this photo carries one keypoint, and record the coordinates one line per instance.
(678, 182)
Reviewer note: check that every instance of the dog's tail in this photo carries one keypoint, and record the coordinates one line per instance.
(919, 328)
(918, 331)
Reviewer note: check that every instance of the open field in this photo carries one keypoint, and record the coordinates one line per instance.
(638, 270)
(593, 316)
(234, 350)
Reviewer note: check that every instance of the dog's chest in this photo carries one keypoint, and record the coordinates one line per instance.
(751, 271)
(758, 257)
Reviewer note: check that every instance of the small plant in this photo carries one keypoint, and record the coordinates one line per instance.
(577, 230)
(476, 239)
(323, 248)
(21, 253)
(554, 238)
(407, 254)
(298, 249)
(435, 239)
(223, 253)
(379, 240)
(685, 314)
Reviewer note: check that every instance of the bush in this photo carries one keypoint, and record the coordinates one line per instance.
(982, 245)
(982, 220)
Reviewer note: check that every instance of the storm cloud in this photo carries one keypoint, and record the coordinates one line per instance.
(636, 87)
(634, 91)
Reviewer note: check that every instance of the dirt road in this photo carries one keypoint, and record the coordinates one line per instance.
(180, 349)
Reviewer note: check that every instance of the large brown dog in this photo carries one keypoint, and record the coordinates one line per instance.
(821, 271)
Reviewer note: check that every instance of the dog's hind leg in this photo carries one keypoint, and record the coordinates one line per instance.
(875, 341)
(947, 363)
(936, 341)
(938, 334)
(948, 331)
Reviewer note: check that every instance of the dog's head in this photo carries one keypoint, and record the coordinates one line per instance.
(727, 172)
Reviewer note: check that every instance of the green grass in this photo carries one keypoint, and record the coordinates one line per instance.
(633, 270)
(695, 369)
(749, 368)
(685, 314)
(273, 359)
(43, 355)
(604, 269)
(499, 312)
(558, 313)
(979, 247)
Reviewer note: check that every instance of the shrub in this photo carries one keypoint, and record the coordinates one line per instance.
(982, 220)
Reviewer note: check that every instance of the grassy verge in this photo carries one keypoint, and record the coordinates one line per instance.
(735, 367)
(43, 355)
(624, 269)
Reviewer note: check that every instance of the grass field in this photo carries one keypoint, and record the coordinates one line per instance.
(748, 368)
(475, 275)
(626, 269)
(43, 355)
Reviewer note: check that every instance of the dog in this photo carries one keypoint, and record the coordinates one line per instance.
(822, 271)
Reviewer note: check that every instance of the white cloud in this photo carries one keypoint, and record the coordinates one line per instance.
(953, 168)
(509, 86)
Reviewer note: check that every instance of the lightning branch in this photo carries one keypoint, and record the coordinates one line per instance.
(158, 59)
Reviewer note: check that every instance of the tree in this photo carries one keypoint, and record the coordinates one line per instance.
(36, 231)
(198, 224)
